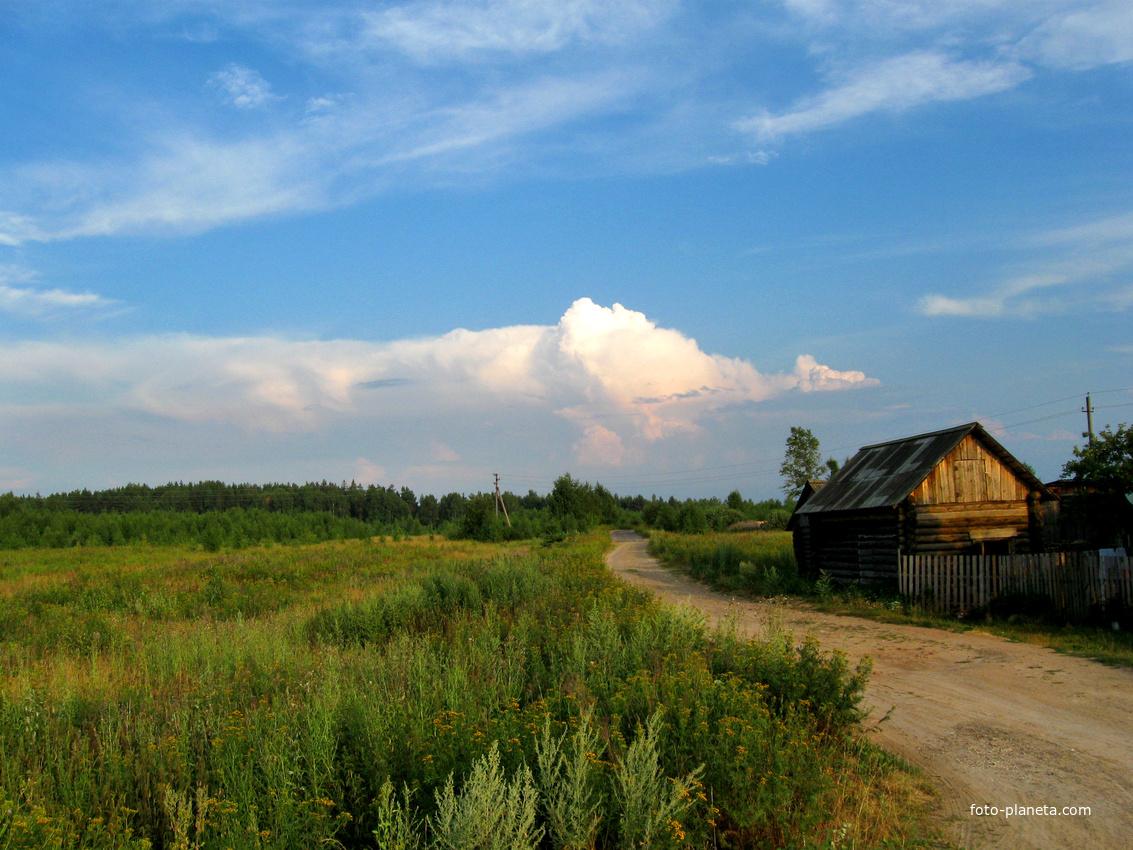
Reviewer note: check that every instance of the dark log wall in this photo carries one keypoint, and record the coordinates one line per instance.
(804, 556)
(853, 547)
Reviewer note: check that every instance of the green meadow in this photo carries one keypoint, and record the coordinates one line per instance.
(418, 693)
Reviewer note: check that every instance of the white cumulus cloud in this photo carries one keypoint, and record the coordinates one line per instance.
(609, 372)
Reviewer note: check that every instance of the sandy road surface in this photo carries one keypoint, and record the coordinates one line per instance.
(992, 722)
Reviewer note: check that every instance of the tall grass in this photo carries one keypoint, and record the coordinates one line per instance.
(403, 695)
(758, 562)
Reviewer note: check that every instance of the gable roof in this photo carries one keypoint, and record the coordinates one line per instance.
(882, 475)
(812, 486)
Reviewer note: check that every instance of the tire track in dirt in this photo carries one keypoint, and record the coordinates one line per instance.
(993, 723)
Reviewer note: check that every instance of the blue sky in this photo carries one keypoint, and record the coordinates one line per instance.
(420, 243)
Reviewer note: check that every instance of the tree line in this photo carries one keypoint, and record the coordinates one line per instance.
(218, 515)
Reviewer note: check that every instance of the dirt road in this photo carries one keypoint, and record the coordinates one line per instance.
(994, 723)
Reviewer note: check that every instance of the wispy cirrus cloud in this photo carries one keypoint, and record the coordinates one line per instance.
(436, 92)
(507, 115)
(968, 49)
(1086, 265)
(185, 183)
(19, 296)
(1114, 231)
(892, 85)
(16, 229)
(440, 31)
(1082, 36)
(1055, 33)
(242, 87)
(1014, 298)
(182, 185)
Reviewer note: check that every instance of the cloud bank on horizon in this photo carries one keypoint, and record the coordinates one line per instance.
(622, 382)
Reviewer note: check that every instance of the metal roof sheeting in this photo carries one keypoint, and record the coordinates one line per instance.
(882, 475)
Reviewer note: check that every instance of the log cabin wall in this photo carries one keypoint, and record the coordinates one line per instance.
(960, 527)
(854, 547)
(803, 545)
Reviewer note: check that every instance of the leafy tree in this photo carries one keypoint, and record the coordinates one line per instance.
(410, 499)
(569, 498)
(533, 501)
(668, 518)
(451, 506)
(632, 503)
(479, 520)
(1108, 463)
(9, 504)
(428, 511)
(801, 462)
(692, 518)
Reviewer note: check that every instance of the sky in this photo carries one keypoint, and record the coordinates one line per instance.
(422, 243)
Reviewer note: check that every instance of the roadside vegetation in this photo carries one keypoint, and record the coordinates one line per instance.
(762, 564)
(413, 693)
(1024, 620)
(759, 563)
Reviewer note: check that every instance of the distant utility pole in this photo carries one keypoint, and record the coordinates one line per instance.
(1089, 411)
(500, 500)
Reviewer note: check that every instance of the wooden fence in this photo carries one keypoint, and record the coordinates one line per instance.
(1075, 582)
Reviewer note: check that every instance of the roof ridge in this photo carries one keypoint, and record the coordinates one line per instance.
(967, 428)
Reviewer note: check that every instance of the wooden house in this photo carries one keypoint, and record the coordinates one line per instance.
(1088, 517)
(952, 491)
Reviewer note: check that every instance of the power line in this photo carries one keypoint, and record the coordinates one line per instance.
(1031, 421)
(1034, 406)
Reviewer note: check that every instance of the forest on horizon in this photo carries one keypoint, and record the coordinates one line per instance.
(220, 515)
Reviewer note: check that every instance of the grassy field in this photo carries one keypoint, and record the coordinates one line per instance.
(412, 694)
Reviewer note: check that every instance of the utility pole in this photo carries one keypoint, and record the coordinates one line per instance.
(1089, 411)
(500, 500)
